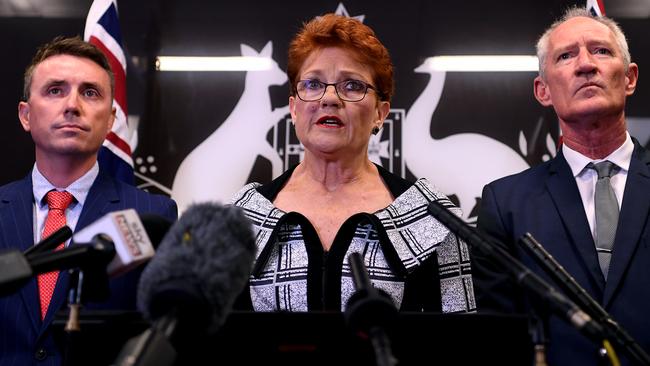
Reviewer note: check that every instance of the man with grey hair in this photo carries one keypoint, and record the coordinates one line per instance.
(589, 206)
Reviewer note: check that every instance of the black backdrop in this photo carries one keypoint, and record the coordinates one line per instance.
(178, 110)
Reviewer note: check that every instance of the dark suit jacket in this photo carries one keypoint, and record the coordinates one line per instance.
(545, 201)
(24, 338)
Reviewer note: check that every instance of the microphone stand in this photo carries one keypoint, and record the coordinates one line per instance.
(152, 347)
(538, 328)
(88, 283)
(538, 288)
(369, 311)
(584, 300)
(74, 300)
(72, 326)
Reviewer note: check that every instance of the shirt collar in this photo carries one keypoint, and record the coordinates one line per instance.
(79, 188)
(621, 157)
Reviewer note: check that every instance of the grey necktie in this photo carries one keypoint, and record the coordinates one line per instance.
(606, 213)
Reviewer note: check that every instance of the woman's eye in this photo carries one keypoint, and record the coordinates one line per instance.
(354, 85)
(312, 84)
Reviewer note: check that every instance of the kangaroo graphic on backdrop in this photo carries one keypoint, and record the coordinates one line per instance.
(221, 164)
(459, 164)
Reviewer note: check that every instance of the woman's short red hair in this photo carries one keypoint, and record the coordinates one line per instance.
(331, 30)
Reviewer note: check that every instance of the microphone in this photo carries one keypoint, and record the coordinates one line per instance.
(90, 284)
(202, 264)
(557, 302)
(132, 244)
(134, 239)
(156, 227)
(51, 242)
(18, 269)
(15, 265)
(120, 232)
(578, 294)
(370, 312)
(15, 272)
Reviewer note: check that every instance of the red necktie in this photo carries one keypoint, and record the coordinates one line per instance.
(57, 202)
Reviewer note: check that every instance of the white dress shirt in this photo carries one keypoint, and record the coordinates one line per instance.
(586, 178)
(79, 190)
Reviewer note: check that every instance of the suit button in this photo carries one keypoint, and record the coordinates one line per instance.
(40, 354)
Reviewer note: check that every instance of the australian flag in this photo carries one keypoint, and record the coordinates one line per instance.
(103, 30)
(596, 7)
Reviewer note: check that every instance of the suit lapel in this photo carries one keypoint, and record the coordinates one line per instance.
(632, 220)
(17, 222)
(17, 214)
(100, 200)
(566, 197)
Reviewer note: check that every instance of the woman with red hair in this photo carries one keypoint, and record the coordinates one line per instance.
(336, 201)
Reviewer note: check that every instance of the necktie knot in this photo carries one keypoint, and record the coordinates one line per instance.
(605, 169)
(59, 200)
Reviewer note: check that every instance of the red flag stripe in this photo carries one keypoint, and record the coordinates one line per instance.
(601, 5)
(120, 76)
(118, 142)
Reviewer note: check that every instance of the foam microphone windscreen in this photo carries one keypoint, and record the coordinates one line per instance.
(200, 267)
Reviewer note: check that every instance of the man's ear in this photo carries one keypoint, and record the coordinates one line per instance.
(631, 78)
(111, 120)
(542, 92)
(23, 115)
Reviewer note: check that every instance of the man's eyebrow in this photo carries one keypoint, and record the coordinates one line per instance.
(51, 82)
(91, 84)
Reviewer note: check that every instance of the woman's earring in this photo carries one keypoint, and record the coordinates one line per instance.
(375, 130)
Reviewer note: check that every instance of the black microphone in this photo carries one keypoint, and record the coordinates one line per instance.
(90, 283)
(100, 248)
(557, 302)
(131, 234)
(15, 272)
(189, 287)
(370, 312)
(18, 269)
(49, 243)
(578, 294)
(156, 227)
(119, 237)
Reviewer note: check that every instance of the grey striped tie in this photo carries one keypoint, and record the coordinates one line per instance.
(606, 213)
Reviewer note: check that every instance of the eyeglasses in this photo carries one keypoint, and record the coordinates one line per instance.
(351, 90)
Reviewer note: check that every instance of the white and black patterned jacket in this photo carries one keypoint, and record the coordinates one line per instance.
(408, 253)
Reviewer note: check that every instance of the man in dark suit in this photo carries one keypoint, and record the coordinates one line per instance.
(585, 74)
(67, 109)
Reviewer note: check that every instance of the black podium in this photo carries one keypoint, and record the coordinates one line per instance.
(317, 339)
